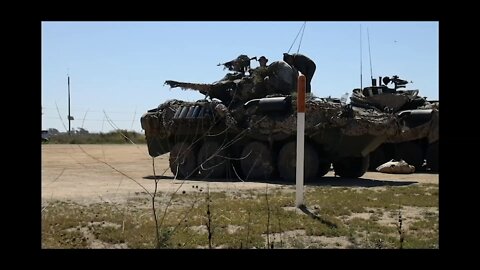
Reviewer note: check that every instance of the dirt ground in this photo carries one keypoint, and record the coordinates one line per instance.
(95, 173)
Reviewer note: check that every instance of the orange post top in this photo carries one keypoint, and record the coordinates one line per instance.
(301, 85)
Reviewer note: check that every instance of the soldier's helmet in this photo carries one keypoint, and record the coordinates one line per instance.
(262, 59)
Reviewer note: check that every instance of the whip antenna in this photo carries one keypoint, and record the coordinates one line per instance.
(301, 37)
(361, 57)
(369, 55)
(303, 26)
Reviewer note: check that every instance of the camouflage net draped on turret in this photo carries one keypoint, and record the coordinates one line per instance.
(237, 87)
(202, 87)
(389, 102)
(396, 101)
(320, 114)
(226, 109)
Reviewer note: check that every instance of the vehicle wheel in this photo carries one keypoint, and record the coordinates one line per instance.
(377, 158)
(432, 157)
(212, 160)
(182, 160)
(351, 167)
(287, 162)
(412, 153)
(256, 161)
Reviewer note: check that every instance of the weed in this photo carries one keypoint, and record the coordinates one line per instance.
(195, 223)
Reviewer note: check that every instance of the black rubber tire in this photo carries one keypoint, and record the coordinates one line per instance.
(410, 152)
(257, 161)
(287, 162)
(432, 157)
(182, 157)
(351, 167)
(211, 161)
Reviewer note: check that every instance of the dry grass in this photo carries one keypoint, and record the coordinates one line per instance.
(334, 218)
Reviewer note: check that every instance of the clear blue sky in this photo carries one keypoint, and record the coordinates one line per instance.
(119, 67)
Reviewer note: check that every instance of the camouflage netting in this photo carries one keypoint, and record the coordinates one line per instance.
(397, 101)
(428, 130)
(279, 79)
(389, 102)
(201, 87)
(167, 110)
(162, 119)
(367, 122)
(322, 114)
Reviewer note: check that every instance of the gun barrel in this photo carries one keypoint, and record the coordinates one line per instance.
(201, 87)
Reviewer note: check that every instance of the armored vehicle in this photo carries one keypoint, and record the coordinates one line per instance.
(246, 127)
(419, 137)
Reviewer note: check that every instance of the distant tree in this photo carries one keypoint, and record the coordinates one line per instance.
(53, 131)
(81, 131)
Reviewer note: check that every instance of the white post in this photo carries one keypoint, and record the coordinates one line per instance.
(300, 139)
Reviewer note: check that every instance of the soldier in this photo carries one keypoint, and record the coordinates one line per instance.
(303, 64)
(257, 77)
(263, 61)
(260, 70)
(240, 64)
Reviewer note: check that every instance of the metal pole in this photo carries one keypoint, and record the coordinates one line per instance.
(69, 117)
(301, 85)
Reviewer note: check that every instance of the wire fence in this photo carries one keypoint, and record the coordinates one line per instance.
(91, 120)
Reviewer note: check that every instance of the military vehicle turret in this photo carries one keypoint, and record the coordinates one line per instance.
(419, 136)
(246, 126)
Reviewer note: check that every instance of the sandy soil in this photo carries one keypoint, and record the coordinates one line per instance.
(94, 173)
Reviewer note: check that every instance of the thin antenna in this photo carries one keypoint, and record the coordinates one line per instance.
(69, 117)
(301, 37)
(369, 55)
(361, 57)
(303, 25)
